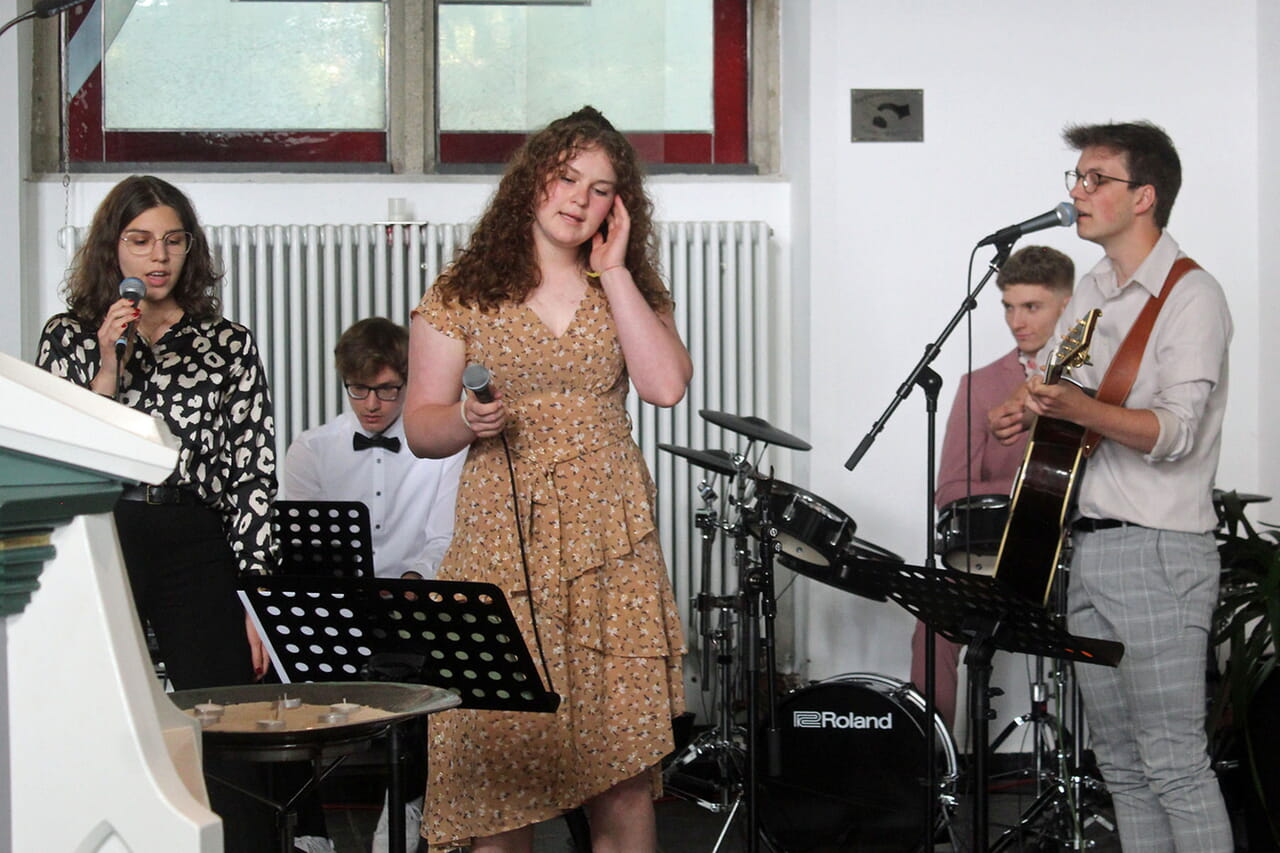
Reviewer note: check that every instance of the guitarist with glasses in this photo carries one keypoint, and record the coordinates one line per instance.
(1035, 285)
(1144, 568)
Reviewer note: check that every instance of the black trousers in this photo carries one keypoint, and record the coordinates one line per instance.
(183, 576)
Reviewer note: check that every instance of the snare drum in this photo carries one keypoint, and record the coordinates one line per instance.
(970, 530)
(854, 762)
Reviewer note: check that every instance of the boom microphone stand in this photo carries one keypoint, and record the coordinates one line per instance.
(43, 9)
(929, 381)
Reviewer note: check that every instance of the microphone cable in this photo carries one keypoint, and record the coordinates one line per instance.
(480, 390)
(524, 561)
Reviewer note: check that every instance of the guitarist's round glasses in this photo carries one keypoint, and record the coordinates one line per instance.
(1091, 180)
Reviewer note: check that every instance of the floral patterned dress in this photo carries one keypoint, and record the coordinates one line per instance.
(605, 611)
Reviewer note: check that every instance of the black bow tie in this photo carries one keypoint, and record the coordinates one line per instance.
(360, 441)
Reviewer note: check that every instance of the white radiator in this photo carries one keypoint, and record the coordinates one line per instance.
(297, 287)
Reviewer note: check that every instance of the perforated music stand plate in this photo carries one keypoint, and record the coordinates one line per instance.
(959, 604)
(327, 629)
(324, 538)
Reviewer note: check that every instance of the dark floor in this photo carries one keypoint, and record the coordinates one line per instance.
(684, 827)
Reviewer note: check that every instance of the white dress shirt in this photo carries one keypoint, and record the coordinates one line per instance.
(410, 500)
(1182, 379)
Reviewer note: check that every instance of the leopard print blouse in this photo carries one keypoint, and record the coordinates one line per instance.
(205, 380)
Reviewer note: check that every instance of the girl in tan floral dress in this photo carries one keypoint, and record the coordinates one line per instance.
(558, 295)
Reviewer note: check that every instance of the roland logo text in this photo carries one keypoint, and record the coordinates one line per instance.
(833, 720)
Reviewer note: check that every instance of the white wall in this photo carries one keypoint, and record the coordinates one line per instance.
(875, 237)
(1268, 389)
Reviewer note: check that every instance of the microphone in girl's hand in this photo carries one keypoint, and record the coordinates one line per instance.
(476, 380)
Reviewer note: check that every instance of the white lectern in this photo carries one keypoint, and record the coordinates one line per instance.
(99, 759)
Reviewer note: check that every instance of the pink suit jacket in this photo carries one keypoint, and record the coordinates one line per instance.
(994, 465)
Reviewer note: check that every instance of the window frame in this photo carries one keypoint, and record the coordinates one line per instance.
(746, 115)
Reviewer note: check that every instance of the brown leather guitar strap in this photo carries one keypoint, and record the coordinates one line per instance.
(1123, 370)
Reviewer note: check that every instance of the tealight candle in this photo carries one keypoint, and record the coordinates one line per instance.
(208, 719)
(209, 708)
(291, 701)
(333, 717)
(344, 707)
(270, 725)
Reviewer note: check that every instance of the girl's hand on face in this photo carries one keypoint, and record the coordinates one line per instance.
(609, 252)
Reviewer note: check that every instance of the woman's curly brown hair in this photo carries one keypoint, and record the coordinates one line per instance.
(498, 265)
(93, 283)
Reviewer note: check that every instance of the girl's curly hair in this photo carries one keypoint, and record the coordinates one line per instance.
(93, 283)
(498, 264)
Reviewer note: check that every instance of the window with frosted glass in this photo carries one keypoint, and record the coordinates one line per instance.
(649, 65)
(195, 80)
(228, 65)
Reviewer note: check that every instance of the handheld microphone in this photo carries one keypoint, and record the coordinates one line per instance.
(1063, 214)
(132, 289)
(476, 380)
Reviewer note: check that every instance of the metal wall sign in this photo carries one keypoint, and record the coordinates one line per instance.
(887, 115)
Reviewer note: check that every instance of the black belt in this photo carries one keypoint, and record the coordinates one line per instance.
(1093, 525)
(160, 495)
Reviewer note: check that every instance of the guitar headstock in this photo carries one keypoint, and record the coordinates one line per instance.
(1074, 349)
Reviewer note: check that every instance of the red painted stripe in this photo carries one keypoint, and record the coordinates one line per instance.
(257, 147)
(692, 147)
(84, 131)
(730, 99)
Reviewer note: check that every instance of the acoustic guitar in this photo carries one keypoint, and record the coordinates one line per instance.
(1044, 491)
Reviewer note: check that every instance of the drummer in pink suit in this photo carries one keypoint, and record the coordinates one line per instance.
(1035, 285)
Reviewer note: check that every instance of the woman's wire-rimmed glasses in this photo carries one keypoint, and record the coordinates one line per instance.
(141, 242)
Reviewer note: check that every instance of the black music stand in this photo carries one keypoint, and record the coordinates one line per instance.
(461, 635)
(324, 538)
(984, 614)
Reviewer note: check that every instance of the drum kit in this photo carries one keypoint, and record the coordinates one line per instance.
(787, 751)
(839, 764)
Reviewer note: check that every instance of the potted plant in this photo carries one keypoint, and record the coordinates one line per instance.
(1246, 624)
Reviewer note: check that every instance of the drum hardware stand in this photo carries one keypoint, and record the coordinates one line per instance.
(1040, 719)
(718, 742)
(1065, 795)
(1062, 788)
(1039, 716)
(759, 601)
(755, 599)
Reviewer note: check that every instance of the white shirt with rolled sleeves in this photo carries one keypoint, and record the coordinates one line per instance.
(1182, 379)
(411, 501)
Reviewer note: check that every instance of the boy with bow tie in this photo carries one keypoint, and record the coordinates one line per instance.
(361, 456)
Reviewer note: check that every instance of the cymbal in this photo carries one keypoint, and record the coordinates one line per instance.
(1245, 497)
(719, 461)
(757, 429)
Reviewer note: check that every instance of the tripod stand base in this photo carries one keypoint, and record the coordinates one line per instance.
(708, 772)
(1053, 823)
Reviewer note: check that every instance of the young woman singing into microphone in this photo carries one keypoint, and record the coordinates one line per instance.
(558, 295)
